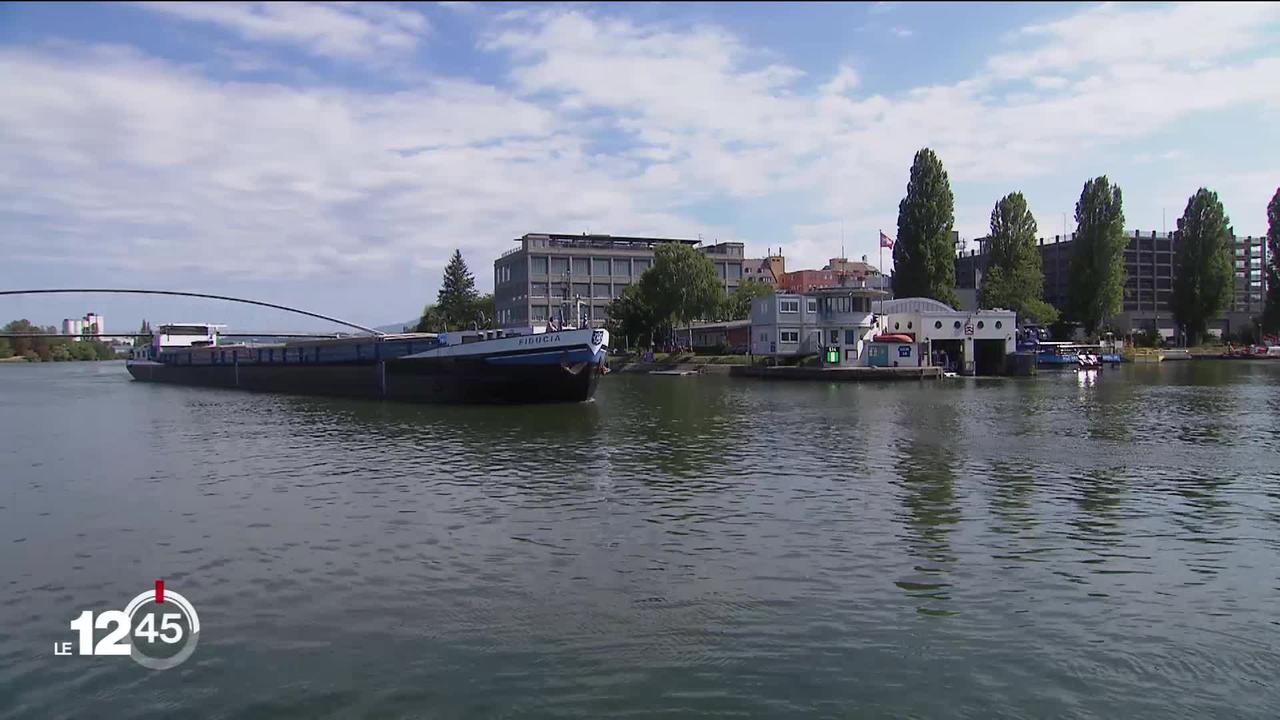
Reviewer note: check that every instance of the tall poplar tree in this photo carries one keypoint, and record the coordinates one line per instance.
(1271, 315)
(924, 260)
(1095, 286)
(1202, 277)
(1014, 279)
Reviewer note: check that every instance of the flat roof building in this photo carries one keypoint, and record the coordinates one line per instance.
(1148, 290)
(550, 273)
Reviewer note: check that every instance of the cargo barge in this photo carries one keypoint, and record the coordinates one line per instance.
(485, 366)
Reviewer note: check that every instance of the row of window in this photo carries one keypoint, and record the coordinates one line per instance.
(582, 290)
(599, 267)
(540, 313)
(831, 305)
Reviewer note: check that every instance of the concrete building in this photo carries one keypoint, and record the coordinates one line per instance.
(1148, 291)
(549, 272)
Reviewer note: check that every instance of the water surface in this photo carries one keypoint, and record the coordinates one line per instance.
(1060, 546)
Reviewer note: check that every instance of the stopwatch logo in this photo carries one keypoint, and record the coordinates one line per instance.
(158, 629)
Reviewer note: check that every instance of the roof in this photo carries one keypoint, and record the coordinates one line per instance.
(915, 304)
(723, 325)
(583, 237)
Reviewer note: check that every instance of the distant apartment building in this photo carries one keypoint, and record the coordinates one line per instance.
(1148, 290)
(550, 273)
(767, 269)
(838, 272)
(91, 324)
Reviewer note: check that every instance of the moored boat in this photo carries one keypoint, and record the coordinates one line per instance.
(486, 366)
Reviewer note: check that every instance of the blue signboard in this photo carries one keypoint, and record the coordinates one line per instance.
(904, 351)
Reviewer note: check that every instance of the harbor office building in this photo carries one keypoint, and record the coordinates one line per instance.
(858, 327)
(549, 272)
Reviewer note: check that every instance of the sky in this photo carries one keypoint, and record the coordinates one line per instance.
(332, 156)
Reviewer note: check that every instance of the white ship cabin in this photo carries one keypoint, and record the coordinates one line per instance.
(178, 335)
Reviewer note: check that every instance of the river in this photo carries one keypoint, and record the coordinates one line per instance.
(1060, 546)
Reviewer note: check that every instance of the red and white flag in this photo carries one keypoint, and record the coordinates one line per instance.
(885, 240)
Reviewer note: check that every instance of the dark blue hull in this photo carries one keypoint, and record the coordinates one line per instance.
(569, 377)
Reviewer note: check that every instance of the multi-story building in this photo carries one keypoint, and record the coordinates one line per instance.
(1148, 291)
(552, 273)
(768, 269)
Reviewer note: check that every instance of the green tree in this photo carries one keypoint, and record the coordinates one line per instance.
(1271, 315)
(457, 298)
(483, 311)
(1095, 285)
(31, 348)
(630, 318)
(84, 350)
(682, 285)
(924, 262)
(737, 304)
(1202, 276)
(1014, 279)
(432, 321)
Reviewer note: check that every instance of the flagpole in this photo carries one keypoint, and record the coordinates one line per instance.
(880, 244)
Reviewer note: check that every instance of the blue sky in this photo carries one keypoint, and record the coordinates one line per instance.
(332, 156)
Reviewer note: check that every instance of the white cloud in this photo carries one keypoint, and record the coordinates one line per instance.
(360, 31)
(901, 32)
(602, 123)
(1180, 35)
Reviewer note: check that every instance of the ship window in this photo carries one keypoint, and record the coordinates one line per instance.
(896, 326)
(908, 325)
(999, 324)
(957, 324)
(981, 324)
(937, 324)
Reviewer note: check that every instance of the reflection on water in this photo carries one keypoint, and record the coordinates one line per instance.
(1043, 547)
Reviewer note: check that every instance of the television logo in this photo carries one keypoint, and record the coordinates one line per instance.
(158, 629)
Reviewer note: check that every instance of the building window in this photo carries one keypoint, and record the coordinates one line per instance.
(559, 266)
(600, 266)
(850, 337)
(812, 305)
(764, 337)
(639, 265)
(835, 336)
(600, 290)
(735, 271)
(618, 288)
(788, 305)
(539, 314)
(622, 267)
(538, 289)
(581, 266)
(789, 336)
(582, 290)
(538, 265)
